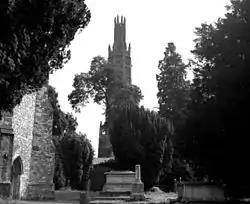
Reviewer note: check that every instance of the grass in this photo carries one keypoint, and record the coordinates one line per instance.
(71, 196)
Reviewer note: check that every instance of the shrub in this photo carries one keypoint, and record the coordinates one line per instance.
(178, 170)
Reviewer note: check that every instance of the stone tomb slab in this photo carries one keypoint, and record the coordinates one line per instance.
(119, 181)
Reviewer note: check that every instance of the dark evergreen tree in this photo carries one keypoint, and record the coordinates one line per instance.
(216, 131)
(173, 89)
(139, 136)
(59, 178)
(73, 151)
(59, 120)
(173, 98)
(78, 155)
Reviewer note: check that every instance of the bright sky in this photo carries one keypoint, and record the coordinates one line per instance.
(150, 25)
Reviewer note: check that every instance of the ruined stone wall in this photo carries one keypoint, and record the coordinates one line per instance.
(28, 135)
(22, 124)
(42, 156)
(105, 149)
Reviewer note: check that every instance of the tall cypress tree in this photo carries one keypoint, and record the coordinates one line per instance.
(173, 89)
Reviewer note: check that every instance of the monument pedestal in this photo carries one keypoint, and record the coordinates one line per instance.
(121, 185)
(137, 193)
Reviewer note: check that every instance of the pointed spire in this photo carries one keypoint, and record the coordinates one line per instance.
(124, 31)
(115, 30)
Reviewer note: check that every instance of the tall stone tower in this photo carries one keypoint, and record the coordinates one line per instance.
(119, 58)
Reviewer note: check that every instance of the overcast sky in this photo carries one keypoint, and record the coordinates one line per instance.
(150, 25)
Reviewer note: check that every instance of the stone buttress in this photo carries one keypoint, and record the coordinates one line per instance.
(40, 185)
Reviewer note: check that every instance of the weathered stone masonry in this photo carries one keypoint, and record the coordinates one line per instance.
(31, 133)
(22, 124)
(42, 155)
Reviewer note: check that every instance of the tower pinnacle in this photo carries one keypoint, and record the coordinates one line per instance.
(119, 54)
(120, 33)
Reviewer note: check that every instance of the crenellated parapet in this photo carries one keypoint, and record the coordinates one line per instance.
(119, 54)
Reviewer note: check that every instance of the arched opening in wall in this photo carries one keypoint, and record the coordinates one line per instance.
(16, 171)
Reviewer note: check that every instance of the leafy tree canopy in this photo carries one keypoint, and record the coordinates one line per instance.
(105, 85)
(34, 41)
